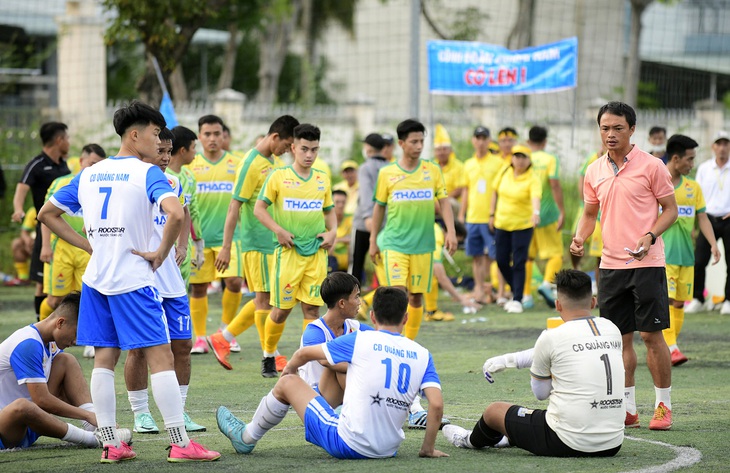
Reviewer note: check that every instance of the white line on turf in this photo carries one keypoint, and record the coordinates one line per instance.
(686, 456)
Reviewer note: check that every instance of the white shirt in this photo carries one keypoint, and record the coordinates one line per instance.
(117, 196)
(24, 359)
(168, 279)
(715, 184)
(586, 406)
(385, 374)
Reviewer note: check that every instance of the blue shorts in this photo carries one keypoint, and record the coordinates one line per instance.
(479, 240)
(177, 311)
(28, 440)
(127, 321)
(320, 428)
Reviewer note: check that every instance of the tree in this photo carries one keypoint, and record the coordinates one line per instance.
(633, 62)
(166, 30)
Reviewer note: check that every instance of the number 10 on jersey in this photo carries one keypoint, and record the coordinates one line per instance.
(404, 375)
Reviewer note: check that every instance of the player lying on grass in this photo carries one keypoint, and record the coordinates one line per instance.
(385, 372)
(38, 382)
(577, 366)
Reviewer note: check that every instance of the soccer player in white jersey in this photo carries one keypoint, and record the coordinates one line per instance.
(120, 308)
(341, 293)
(579, 368)
(171, 287)
(38, 382)
(385, 372)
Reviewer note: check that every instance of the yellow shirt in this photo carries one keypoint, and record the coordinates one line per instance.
(352, 193)
(342, 250)
(322, 165)
(438, 233)
(479, 174)
(514, 199)
(453, 173)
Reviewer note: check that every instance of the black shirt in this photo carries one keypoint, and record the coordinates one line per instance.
(39, 173)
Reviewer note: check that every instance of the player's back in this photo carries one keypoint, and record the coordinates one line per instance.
(385, 374)
(318, 332)
(19, 356)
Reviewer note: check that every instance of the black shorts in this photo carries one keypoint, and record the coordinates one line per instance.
(635, 299)
(36, 265)
(528, 429)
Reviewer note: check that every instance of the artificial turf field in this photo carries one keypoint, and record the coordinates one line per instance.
(699, 395)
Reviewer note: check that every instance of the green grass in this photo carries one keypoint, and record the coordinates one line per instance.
(459, 348)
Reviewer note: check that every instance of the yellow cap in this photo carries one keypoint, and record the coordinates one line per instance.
(522, 149)
(349, 164)
(441, 137)
(494, 147)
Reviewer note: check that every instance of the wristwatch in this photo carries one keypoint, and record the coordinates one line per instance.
(653, 237)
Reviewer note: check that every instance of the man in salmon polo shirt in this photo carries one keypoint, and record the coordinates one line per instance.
(628, 186)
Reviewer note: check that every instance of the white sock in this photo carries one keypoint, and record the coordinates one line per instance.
(228, 335)
(416, 405)
(167, 397)
(80, 437)
(103, 397)
(268, 355)
(663, 395)
(85, 425)
(673, 347)
(139, 401)
(184, 394)
(630, 398)
(268, 415)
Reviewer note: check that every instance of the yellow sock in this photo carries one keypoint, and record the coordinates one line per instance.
(272, 335)
(46, 309)
(494, 277)
(415, 315)
(230, 302)
(199, 314)
(528, 278)
(22, 270)
(260, 317)
(432, 297)
(306, 322)
(670, 334)
(552, 267)
(243, 320)
(678, 320)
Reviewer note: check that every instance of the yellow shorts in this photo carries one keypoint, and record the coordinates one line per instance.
(63, 274)
(679, 282)
(411, 271)
(208, 273)
(546, 242)
(596, 242)
(257, 268)
(297, 278)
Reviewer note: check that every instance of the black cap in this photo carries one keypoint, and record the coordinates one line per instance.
(388, 138)
(481, 131)
(375, 140)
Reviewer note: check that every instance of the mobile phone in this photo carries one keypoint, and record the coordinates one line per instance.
(632, 252)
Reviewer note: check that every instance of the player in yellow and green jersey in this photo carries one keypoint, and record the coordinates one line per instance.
(22, 248)
(304, 229)
(64, 264)
(257, 244)
(409, 189)
(547, 241)
(215, 172)
(678, 242)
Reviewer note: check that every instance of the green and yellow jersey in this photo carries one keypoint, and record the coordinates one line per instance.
(678, 245)
(250, 178)
(546, 167)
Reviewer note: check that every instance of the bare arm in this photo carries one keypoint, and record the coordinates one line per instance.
(586, 225)
(557, 191)
(464, 205)
(433, 423)
(181, 248)
(665, 220)
(46, 251)
(285, 238)
(328, 237)
(447, 213)
(375, 223)
(305, 355)
(43, 398)
(21, 191)
(51, 216)
(709, 234)
(224, 256)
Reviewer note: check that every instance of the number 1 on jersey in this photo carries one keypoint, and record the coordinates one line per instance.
(105, 205)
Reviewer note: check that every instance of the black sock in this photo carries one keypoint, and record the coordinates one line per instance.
(483, 435)
(37, 302)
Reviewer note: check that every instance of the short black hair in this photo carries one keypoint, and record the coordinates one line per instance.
(93, 148)
(338, 285)
(574, 285)
(226, 129)
(459, 229)
(390, 305)
(136, 114)
(406, 127)
(657, 129)
(50, 130)
(619, 109)
(166, 135)
(182, 138)
(339, 192)
(538, 134)
(306, 131)
(210, 120)
(679, 144)
(284, 126)
(69, 306)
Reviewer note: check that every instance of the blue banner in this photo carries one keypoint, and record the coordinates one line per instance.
(460, 67)
(167, 109)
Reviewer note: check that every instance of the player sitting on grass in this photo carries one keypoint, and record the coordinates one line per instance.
(341, 293)
(385, 373)
(578, 366)
(38, 382)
